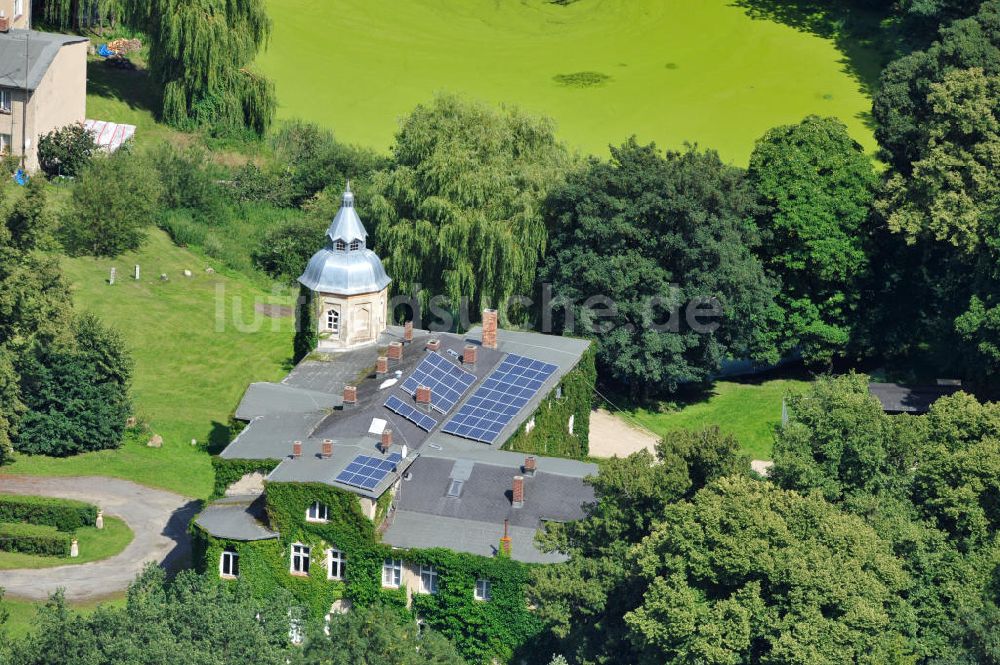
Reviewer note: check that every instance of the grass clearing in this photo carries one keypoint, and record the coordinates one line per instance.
(197, 342)
(23, 613)
(747, 410)
(712, 71)
(94, 544)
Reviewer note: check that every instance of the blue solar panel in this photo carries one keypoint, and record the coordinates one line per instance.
(411, 413)
(501, 396)
(367, 472)
(446, 380)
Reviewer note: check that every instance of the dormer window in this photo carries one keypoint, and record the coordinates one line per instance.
(340, 245)
(355, 245)
(317, 512)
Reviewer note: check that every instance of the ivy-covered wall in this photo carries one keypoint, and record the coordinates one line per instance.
(228, 471)
(550, 435)
(483, 631)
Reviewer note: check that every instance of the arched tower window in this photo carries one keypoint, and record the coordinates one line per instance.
(333, 320)
(341, 246)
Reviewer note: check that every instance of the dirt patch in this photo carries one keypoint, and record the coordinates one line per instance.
(611, 436)
(274, 311)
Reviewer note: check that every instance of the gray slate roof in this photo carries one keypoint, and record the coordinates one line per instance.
(473, 521)
(42, 50)
(236, 518)
(423, 516)
(266, 399)
(897, 398)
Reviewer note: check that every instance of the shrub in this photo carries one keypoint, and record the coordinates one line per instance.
(186, 181)
(66, 151)
(33, 539)
(62, 514)
(286, 249)
(116, 198)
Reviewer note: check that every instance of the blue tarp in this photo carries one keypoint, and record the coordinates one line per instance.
(20, 177)
(104, 51)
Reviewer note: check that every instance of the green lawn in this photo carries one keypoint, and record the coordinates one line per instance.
(671, 70)
(749, 411)
(22, 613)
(94, 545)
(197, 343)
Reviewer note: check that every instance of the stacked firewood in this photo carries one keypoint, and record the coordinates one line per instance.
(124, 46)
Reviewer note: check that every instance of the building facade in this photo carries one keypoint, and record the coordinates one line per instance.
(43, 84)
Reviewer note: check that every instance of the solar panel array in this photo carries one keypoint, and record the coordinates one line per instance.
(411, 413)
(503, 393)
(367, 472)
(447, 381)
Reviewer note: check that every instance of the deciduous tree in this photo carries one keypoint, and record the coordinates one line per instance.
(815, 186)
(458, 213)
(114, 202)
(652, 235)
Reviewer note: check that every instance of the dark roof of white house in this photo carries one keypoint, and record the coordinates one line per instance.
(897, 398)
(18, 62)
(296, 410)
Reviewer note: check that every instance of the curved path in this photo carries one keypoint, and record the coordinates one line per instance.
(159, 520)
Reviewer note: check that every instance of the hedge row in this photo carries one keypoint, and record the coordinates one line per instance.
(34, 539)
(63, 514)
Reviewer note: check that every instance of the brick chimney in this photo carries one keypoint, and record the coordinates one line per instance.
(505, 541)
(408, 332)
(350, 395)
(395, 351)
(530, 466)
(490, 328)
(424, 396)
(382, 365)
(469, 356)
(327, 448)
(296, 449)
(433, 345)
(386, 440)
(517, 492)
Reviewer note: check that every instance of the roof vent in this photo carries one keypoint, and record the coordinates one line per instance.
(455, 489)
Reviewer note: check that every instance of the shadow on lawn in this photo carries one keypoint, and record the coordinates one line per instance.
(132, 87)
(859, 34)
(696, 393)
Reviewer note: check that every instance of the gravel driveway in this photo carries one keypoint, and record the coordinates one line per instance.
(158, 518)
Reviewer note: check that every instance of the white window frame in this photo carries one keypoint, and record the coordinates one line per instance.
(6, 144)
(317, 512)
(340, 246)
(336, 564)
(392, 573)
(299, 564)
(483, 590)
(229, 559)
(428, 580)
(333, 320)
(18, 8)
(6, 101)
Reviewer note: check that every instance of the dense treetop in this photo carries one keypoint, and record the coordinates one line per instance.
(655, 234)
(458, 212)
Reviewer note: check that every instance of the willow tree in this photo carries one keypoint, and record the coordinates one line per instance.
(201, 52)
(458, 212)
(79, 14)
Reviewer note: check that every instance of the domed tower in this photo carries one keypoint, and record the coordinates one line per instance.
(349, 284)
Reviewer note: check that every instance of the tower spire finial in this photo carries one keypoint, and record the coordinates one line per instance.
(348, 199)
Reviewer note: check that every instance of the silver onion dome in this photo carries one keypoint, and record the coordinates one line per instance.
(345, 266)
